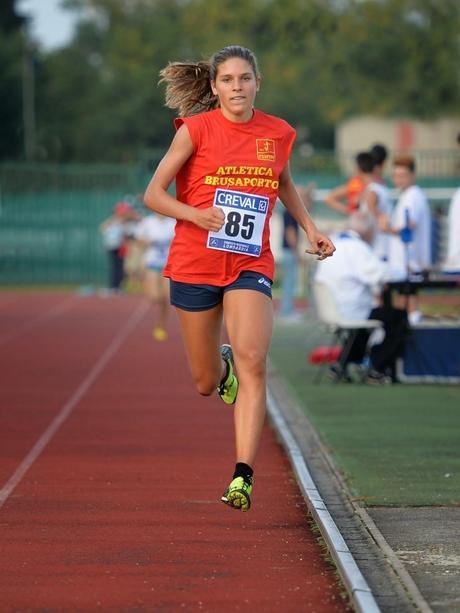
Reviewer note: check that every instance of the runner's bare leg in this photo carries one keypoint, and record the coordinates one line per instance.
(201, 333)
(249, 323)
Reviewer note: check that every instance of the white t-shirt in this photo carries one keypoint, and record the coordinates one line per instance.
(354, 275)
(452, 263)
(158, 232)
(381, 243)
(412, 205)
(113, 234)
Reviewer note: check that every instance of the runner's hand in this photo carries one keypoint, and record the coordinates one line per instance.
(321, 245)
(212, 218)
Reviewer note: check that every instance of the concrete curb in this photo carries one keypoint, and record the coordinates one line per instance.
(355, 583)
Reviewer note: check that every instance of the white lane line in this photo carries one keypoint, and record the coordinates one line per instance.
(360, 592)
(69, 406)
(54, 311)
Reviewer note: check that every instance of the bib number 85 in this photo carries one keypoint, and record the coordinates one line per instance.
(238, 224)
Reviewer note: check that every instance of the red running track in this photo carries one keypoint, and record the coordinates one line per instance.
(111, 469)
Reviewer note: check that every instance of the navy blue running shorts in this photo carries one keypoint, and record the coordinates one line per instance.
(200, 297)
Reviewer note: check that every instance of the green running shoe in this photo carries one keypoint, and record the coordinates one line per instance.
(228, 389)
(237, 495)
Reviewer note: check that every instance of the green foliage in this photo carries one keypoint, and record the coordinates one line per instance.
(396, 57)
(321, 61)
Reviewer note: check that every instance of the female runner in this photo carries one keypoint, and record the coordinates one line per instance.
(231, 163)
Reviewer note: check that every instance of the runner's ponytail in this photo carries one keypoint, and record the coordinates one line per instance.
(188, 87)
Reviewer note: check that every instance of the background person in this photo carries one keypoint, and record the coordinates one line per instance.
(411, 212)
(290, 266)
(452, 263)
(114, 239)
(380, 154)
(409, 230)
(292, 258)
(133, 265)
(230, 163)
(375, 200)
(345, 198)
(155, 233)
(355, 277)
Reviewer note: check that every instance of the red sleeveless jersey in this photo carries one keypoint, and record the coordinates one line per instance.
(239, 165)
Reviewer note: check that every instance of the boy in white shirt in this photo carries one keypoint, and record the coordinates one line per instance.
(409, 230)
(410, 226)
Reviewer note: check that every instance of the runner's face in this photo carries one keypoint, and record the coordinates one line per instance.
(236, 86)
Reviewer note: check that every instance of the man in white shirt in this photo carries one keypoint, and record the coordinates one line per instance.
(410, 226)
(355, 276)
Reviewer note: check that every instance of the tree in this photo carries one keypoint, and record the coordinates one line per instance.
(100, 100)
(11, 47)
(394, 57)
(321, 61)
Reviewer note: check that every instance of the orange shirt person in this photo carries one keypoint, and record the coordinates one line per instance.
(345, 198)
(230, 162)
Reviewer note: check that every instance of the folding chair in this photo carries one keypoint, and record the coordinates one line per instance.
(344, 330)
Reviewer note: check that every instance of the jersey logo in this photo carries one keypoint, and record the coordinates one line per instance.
(265, 149)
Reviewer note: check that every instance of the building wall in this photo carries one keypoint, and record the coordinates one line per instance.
(434, 143)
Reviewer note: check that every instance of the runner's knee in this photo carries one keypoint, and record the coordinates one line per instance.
(251, 363)
(205, 388)
(206, 383)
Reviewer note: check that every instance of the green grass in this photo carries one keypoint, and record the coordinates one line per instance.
(397, 445)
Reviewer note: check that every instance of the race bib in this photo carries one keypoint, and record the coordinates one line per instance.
(243, 228)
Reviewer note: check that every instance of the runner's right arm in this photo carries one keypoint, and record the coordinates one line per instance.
(157, 197)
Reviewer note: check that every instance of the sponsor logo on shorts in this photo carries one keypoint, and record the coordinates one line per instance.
(265, 149)
(264, 281)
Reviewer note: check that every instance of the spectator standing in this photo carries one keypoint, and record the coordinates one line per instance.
(291, 257)
(452, 263)
(133, 264)
(114, 239)
(379, 153)
(345, 198)
(410, 225)
(375, 200)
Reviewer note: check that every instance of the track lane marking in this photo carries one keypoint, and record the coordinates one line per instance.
(71, 403)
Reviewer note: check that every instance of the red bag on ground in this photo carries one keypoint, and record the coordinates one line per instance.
(322, 355)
